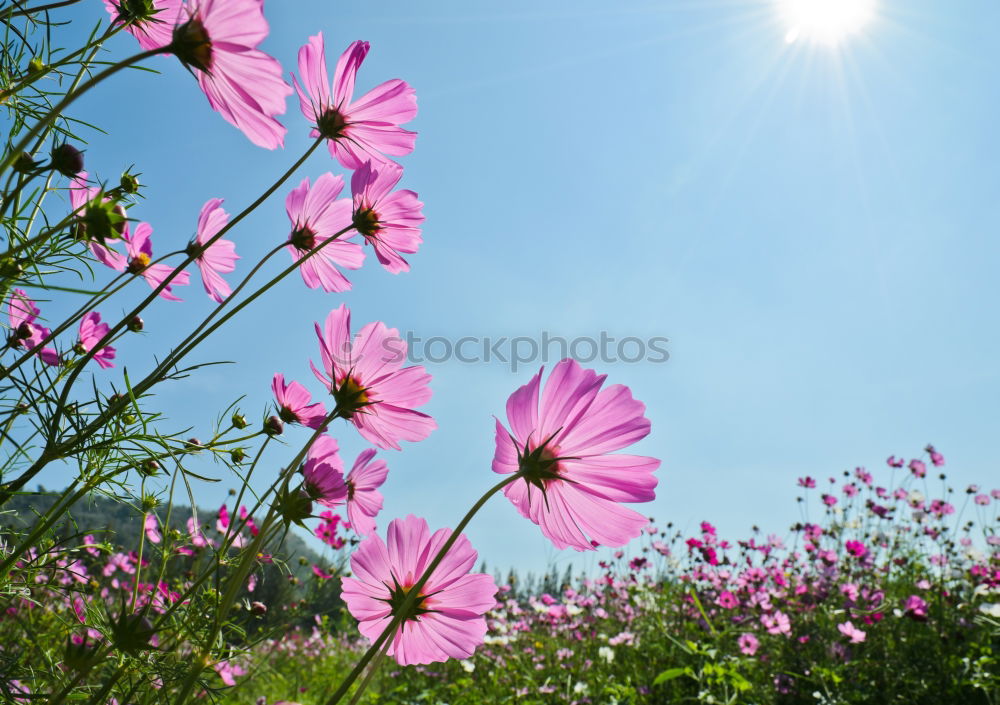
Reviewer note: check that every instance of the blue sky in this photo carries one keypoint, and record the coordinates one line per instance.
(812, 227)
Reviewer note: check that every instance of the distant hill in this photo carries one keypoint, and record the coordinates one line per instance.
(119, 524)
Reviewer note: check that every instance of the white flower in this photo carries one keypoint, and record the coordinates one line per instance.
(606, 653)
(467, 665)
(580, 687)
(992, 610)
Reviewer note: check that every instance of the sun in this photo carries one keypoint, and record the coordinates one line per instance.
(825, 21)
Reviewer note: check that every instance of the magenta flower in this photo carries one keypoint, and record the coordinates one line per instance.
(364, 501)
(856, 548)
(25, 332)
(371, 387)
(79, 195)
(317, 216)
(916, 608)
(140, 251)
(218, 43)
(218, 258)
(222, 521)
(918, 468)
(563, 444)
(293, 403)
(91, 332)
(324, 473)
(155, 32)
(389, 220)
(357, 130)
(748, 644)
(446, 620)
(320, 573)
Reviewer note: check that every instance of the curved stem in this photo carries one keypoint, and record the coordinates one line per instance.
(32, 10)
(236, 580)
(413, 592)
(50, 453)
(69, 98)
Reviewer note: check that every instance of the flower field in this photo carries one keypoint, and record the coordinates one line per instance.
(890, 588)
(126, 586)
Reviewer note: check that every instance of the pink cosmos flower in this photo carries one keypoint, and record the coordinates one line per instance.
(152, 528)
(916, 608)
(748, 644)
(155, 32)
(25, 332)
(389, 220)
(357, 130)
(320, 573)
(777, 623)
(982, 499)
(293, 403)
(218, 42)
(91, 332)
(371, 387)
(324, 473)
(851, 632)
(562, 445)
(218, 258)
(918, 468)
(446, 620)
(727, 600)
(80, 194)
(228, 672)
(936, 458)
(195, 533)
(364, 501)
(222, 522)
(317, 216)
(140, 251)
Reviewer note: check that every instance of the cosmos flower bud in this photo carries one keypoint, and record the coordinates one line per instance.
(294, 506)
(101, 220)
(193, 445)
(79, 653)
(258, 608)
(24, 163)
(273, 426)
(237, 456)
(135, 324)
(35, 65)
(135, 11)
(149, 468)
(239, 420)
(129, 183)
(67, 159)
(132, 633)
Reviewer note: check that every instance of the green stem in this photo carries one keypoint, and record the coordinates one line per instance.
(237, 579)
(49, 453)
(32, 10)
(69, 98)
(371, 673)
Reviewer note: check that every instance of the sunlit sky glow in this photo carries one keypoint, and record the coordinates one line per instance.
(825, 21)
